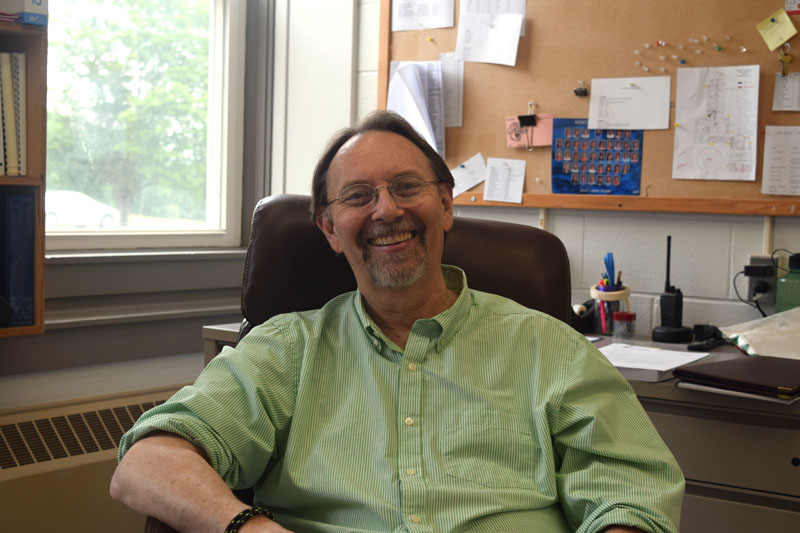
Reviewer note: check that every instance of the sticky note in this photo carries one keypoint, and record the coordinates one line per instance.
(776, 29)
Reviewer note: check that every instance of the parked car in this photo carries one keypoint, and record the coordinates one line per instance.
(76, 209)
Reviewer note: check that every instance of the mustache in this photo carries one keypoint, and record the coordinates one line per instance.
(380, 229)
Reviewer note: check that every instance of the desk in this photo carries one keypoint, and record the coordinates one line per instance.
(741, 457)
(216, 337)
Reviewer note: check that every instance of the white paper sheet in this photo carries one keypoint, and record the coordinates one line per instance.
(781, 174)
(415, 92)
(488, 38)
(495, 7)
(716, 113)
(629, 103)
(647, 358)
(468, 174)
(505, 179)
(453, 89)
(787, 92)
(422, 14)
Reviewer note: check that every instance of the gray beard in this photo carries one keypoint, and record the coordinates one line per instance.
(395, 273)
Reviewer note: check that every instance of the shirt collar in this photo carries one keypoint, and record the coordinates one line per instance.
(448, 321)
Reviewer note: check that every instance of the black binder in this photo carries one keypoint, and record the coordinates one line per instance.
(758, 374)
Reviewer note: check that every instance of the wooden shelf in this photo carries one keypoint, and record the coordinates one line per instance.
(720, 206)
(32, 40)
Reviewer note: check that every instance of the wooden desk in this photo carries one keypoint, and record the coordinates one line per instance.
(741, 457)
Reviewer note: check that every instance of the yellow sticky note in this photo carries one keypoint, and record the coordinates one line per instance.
(776, 29)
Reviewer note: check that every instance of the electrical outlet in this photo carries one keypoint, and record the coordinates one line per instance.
(771, 281)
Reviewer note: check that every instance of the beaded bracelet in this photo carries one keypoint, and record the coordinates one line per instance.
(245, 515)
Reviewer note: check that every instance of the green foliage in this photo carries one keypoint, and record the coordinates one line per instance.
(128, 101)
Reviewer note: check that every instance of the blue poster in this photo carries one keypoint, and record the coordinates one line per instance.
(587, 161)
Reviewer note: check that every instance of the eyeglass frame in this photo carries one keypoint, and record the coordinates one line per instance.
(376, 191)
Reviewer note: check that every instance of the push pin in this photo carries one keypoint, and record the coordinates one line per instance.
(742, 49)
(580, 90)
(661, 43)
(429, 39)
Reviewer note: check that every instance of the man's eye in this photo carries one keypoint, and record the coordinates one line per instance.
(357, 196)
(405, 187)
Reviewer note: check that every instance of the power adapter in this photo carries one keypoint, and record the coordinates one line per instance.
(759, 271)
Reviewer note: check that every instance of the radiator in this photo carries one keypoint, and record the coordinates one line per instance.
(56, 462)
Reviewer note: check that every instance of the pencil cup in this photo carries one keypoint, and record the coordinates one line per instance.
(606, 304)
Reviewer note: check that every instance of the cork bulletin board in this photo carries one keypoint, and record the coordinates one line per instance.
(567, 42)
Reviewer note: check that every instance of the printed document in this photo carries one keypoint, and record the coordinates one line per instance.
(716, 116)
(495, 7)
(468, 174)
(629, 103)
(453, 88)
(787, 92)
(505, 179)
(415, 92)
(781, 160)
(422, 14)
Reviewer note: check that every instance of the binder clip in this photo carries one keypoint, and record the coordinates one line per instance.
(527, 123)
(580, 90)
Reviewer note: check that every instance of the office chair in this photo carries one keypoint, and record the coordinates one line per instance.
(290, 267)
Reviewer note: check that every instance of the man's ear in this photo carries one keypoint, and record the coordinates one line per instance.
(325, 224)
(447, 204)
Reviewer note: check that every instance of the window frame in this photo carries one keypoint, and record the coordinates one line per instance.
(224, 148)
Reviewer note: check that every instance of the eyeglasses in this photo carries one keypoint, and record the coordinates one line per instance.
(403, 190)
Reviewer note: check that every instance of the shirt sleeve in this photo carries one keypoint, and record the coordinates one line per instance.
(239, 409)
(615, 469)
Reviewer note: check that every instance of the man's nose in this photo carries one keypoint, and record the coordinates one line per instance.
(386, 207)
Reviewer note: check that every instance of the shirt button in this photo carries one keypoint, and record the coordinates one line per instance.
(409, 421)
(412, 367)
(375, 343)
(416, 519)
(411, 472)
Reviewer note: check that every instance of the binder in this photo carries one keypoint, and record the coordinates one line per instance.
(18, 84)
(9, 115)
(757, 374)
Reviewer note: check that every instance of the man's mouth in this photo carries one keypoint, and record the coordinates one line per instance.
(386, 240)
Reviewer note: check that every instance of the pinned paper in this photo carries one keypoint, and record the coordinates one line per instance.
(488, 38)
(415, 92)
(505, 179)
(776, 29)
(468, 174)
(518, 136)
(422, 14)
(630, 103)
(781, 169)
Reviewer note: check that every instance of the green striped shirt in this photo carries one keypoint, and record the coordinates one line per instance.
(494, 418)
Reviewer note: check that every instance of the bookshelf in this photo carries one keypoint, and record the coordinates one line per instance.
(32, 40)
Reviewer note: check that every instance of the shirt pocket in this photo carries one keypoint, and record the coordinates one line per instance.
(492, 448)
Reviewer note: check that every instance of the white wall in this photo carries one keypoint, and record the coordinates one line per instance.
(707, 250)
(314, 93)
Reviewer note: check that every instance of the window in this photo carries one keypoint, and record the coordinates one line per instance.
(144, 123)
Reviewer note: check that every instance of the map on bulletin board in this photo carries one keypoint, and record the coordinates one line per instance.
(592, 161)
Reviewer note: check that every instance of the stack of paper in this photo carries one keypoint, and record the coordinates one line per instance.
(645, 363)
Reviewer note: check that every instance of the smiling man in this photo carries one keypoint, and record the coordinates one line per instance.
(412, 404)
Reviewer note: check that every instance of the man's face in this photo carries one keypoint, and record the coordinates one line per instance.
(387, 245)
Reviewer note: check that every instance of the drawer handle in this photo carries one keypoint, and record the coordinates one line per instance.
(796, 461)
